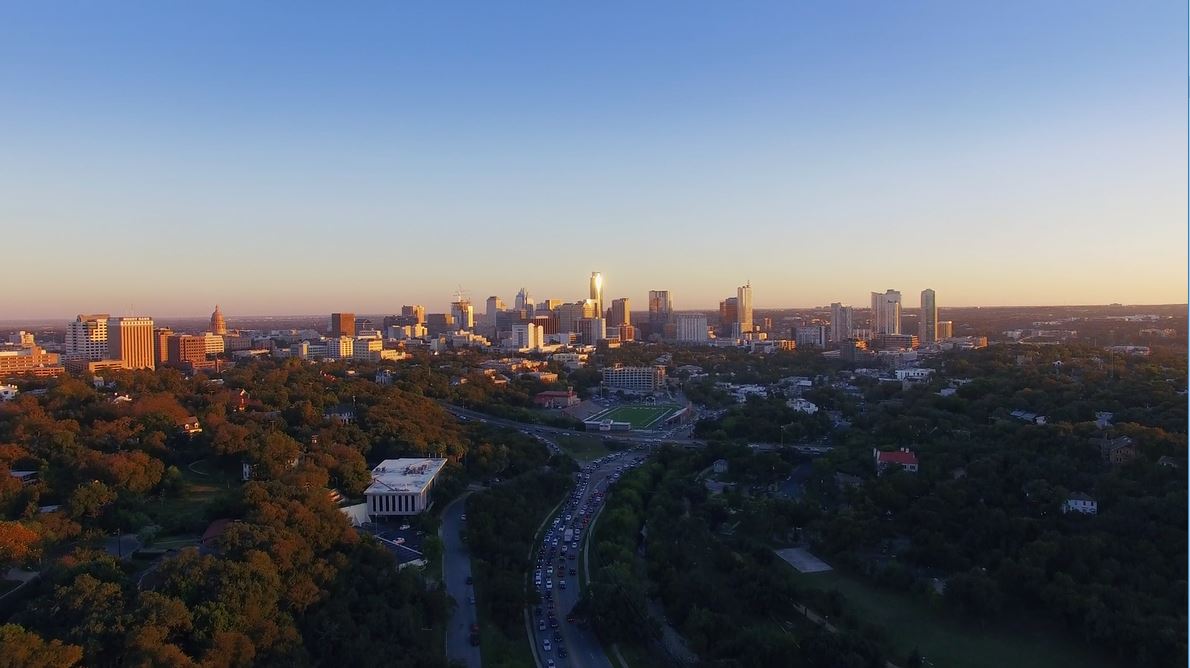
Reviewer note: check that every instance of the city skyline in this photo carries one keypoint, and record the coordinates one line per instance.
(659, 147)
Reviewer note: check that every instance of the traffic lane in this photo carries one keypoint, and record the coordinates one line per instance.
(583, 647)
(456, 567)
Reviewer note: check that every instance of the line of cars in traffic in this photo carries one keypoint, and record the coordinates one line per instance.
(557, 557)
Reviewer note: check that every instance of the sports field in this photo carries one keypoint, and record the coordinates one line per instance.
(641, 417)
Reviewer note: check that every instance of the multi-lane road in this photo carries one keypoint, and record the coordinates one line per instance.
(569, 645)
(556, 570)
(456, 571)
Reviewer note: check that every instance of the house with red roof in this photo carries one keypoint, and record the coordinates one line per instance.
(903, 458)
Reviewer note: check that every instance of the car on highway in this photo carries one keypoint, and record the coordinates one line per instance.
(471, 599)
(541, 625)
(546, 645)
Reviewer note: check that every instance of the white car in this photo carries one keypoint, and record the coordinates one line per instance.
(545, 644)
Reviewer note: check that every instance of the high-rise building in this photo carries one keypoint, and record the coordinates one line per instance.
(416, 311)
(661, 308)
(810, 336)
(842, 323)
(592, 330)
(523, 301)
(494, 306)
(549, 305)
(621, 313)
(597, 291)
(886, 312)
(184, 350)
(161, 345)
(692, 328)
(527, 336)
(130, 340)
(342, 324)
(463, 314)
(927, 325)
(729, 314)
(569, 315)
(627, 332)
(86, 337)
(439, 323)
(945, 329)
(744, 304)
(218, 324)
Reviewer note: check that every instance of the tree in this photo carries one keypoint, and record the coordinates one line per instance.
(17, 542)
(20, 648)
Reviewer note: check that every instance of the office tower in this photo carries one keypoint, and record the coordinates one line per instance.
(527, 336)
(523, 301)
(130, 340)
(342, 324)
(886, 313)
(22, 339)
(439, 323)
(569, 315)
(86, 337)
(463, 314)
(494, 306)
(597, 291)
(592, 330)
(945, 329)
(416, 311)
(626, 332)
(184, 350)
(621, 313)
(744, 304)
(161, 345)
(729, 313)
(766, 324)
(550, 304)
(218, 324)
(692, 328)
(661, 308)
(927, 325)
(841, 322)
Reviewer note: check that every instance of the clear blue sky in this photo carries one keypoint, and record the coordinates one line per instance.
(302, 158)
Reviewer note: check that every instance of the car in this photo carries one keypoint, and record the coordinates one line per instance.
(471, 599)
(546, 645)
(550, 662)
(562, 651)
(470, 580)
(562, 584)
(557, 636)
(554, 623)
(463, 517)
(404, 527)
(541, 625)
(573, 572)
(475, 628)
(537, 611)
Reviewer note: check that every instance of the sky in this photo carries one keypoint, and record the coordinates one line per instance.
(294, 158)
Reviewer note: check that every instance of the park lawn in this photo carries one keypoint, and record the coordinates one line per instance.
(639, 416)
(909, 622)
(187, 512)
(584, 448)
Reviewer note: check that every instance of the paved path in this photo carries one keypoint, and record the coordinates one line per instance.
(456, 568)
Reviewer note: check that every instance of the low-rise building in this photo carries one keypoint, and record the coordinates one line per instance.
(1118, 450)
(903, 458)
(1079, 502)
(556, 399)
(402, 486)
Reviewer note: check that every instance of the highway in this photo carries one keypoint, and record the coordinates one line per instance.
(581, 647)
(456, 568)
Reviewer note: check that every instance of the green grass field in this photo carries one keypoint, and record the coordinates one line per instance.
(584, 448)
(639, 416)
(910, 622)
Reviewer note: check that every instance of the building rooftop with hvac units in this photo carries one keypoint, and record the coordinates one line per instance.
(402, 486)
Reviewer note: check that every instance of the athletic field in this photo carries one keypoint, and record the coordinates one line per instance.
(640, 417)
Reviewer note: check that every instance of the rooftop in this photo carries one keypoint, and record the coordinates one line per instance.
(409, 475)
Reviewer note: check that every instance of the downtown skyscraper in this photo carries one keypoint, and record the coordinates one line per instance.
(744, 309)
(927, 326)
(842, 322)
(886, 312)
(597, 292)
